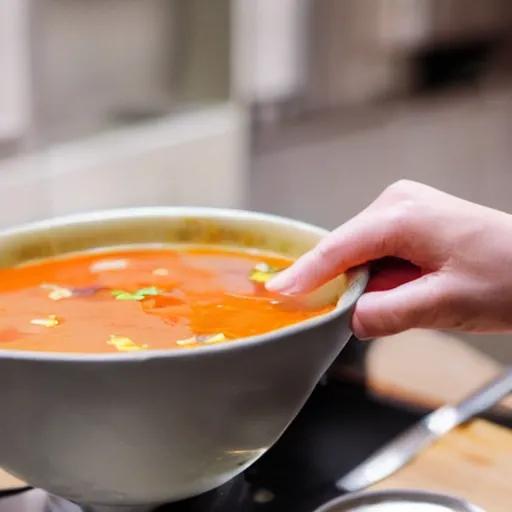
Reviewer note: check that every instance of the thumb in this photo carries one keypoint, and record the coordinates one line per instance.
(418, 303)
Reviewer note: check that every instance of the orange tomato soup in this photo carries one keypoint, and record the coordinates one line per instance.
(142, 299)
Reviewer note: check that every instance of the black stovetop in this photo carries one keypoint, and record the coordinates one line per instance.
(338, 428)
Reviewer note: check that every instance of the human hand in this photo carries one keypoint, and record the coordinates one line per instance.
(462, 257)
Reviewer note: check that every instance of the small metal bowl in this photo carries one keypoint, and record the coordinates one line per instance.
(399, 501)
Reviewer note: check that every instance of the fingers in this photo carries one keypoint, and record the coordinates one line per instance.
(371, 235)
(398, 223)
(419, 303)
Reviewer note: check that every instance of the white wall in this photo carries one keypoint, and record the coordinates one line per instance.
(197, 158)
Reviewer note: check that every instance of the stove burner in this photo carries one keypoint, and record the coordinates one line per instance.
(227, 497)
(56, 504)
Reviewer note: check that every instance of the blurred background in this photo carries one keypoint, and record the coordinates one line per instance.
(298, 107)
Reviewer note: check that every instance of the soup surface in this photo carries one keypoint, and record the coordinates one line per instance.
(142, 299)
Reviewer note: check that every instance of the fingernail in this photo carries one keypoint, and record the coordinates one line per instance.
(282, 283)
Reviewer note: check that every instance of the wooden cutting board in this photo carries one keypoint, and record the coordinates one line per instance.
(472, 462)
(424, 370)
(8, 481)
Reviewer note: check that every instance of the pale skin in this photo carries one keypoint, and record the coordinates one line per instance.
(464, 251)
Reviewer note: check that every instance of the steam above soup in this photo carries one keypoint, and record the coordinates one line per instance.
(132, 300)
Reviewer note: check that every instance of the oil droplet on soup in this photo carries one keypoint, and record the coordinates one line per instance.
(143, 299)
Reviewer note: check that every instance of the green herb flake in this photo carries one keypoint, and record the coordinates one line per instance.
(149, 292)
(262, 273)
(138, 295)
(127, 296)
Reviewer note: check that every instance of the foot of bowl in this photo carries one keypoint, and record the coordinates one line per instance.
(56, 504)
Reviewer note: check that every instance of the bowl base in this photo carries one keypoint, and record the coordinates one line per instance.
(221, 498)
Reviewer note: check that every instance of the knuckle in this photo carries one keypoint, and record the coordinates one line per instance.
(402, 188)
(403, 214)
(325, 251)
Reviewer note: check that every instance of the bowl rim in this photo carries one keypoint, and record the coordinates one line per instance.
(365, 498)
(359, 280)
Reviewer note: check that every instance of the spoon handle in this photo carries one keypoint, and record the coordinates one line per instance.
(485, 397)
